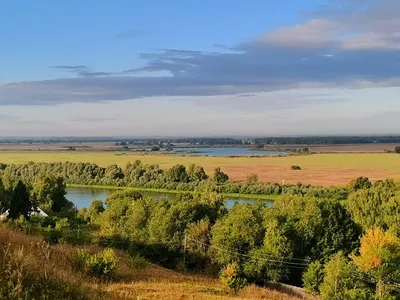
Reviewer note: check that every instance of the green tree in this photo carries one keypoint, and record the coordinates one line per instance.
(337, 231)
(177, 174)
(359, 184)
(219, 176)
(340, 279)
(4, 199)
(378, 206)
(267, 262)
(95, 209)
(49, 194)
(313, 277)
(236, 234)
(196, 173)
(20, 204)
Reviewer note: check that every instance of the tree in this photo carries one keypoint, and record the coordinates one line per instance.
(49, 194)
(340, 279)
(20, 204)
(196, 173)
(359, 184)
(95, 209)
(380, 258)
(397, 150)
(236, 234)
(378, 206)
(177, 174)
(266, 262)
(336, 232)
(313, 277)
(4, 199)
(219, 176)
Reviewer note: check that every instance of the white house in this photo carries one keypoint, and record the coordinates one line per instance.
(38, 211)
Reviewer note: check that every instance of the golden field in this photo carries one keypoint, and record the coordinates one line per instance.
(317, 169)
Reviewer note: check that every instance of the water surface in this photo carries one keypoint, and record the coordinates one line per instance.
(83, 196)
(222, 152)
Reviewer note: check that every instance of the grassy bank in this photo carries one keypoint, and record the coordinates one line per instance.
(165, 191)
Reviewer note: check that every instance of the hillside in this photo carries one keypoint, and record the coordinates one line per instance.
(29, 264)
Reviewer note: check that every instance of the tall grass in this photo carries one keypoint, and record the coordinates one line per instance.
(32, 269)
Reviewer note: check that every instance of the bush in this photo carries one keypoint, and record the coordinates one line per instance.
(102, 265)
(230, 277)
(137, 262)
(296, 168)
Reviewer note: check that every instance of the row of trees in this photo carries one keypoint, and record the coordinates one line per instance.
(178, 177)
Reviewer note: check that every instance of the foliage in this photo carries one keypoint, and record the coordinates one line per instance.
(137, 261)
(49, 194)
(102, 265)
(377, 206)
(359, 184)
(236, 234)
(230, 277)
(267, 262)
(219, 176)
(313, 277)
(340, 279)
(380, 258)
(20, 204)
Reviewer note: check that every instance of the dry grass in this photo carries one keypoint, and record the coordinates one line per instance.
(318, 169)
(150, 283)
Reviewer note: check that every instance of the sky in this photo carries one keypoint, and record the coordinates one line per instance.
(199, 68)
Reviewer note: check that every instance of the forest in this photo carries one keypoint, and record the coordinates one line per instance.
(345, 247)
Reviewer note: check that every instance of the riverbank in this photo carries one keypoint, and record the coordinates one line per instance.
(152, 190)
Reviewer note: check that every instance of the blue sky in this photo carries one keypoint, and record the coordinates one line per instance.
(157, 68)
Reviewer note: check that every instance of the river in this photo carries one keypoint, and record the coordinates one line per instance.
(222, 152)
(83, 196)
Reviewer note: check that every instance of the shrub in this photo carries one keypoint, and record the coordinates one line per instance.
(296, 168)
(230, 278)
(102, 265)
(137, 262)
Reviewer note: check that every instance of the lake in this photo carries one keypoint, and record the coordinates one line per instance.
(223, 152)
(82, 197)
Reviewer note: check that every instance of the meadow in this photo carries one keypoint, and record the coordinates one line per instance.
(317, 169)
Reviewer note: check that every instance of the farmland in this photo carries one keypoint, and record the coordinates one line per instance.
(317, 169)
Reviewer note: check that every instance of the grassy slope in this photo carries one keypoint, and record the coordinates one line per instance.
(151, 283)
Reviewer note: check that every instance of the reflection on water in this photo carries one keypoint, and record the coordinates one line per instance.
(82, 197)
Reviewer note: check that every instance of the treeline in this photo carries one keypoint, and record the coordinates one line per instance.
(178, 177)
(338, 249)
(219, 141)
